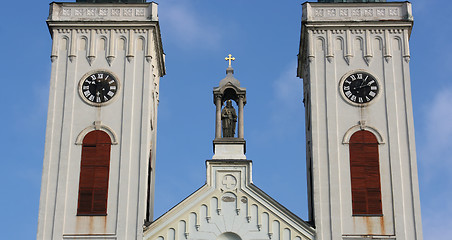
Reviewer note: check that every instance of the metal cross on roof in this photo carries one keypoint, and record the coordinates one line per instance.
(229, 58)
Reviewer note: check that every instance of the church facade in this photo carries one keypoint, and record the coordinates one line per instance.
(98, 179)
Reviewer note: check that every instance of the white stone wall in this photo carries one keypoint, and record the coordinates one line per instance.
(338, 39)
(132, 52)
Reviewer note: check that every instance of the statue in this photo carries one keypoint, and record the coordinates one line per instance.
(228, 119)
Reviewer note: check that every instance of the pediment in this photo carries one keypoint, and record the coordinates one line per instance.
(229, 206)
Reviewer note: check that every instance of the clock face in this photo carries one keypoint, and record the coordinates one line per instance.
(98, 87)
(360, 87)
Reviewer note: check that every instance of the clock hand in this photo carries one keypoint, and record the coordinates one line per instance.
(362, 83)
(99, 89)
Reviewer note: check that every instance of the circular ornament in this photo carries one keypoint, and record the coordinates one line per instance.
(359, 87)
(98, 87)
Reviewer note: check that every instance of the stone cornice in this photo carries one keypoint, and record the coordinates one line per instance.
(87, 12)
(357, 12)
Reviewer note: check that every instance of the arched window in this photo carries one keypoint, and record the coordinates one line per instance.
(94, 171)
(365, 174)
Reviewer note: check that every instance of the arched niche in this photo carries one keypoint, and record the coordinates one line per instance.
(96, 126)
(352, 130)
(229, 89)
(228, 236)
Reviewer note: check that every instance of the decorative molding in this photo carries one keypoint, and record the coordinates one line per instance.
(348, 46)
(406, 58)
(387, 46)
(110, 60)
(367, 59)
(329, 46)
(90, 59)
(348, 58)
(311, 43)
(87, 12)
(92, 47)
(111, 48)
(54, 54)
(368, 47)
(361, 126)
(356, 12)
(97, 125)
(73, 46)
(406, 46)
(131, 46)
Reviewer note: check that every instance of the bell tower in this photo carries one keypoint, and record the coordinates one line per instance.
(227, 144)
(98, 171)
(361, 159)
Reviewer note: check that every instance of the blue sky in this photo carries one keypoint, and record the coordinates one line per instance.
(197, 35)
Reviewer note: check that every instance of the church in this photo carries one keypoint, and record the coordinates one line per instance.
(98, 180)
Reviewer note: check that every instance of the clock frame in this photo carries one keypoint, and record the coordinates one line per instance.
(98, 87)
(359, 87)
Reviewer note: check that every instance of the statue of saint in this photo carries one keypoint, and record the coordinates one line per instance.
(228, 119)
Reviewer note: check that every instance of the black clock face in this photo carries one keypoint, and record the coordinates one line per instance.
(360, 87)
(99, 87)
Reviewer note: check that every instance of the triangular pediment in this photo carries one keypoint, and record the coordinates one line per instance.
(229, 206)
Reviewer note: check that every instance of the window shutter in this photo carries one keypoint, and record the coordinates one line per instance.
(365, 174)
(94, 173)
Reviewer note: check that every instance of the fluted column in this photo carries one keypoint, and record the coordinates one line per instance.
(218, 117)
(240, 132)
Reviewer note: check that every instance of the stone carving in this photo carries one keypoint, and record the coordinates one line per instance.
(228, 199)
(381, 12)
(90, 12)
(228, 119)
(394, 12)
(66, 12)
(331, 12)
(116, 12)
(229, 181)
(79, 12)
(128, 12)
(343, 12)
(319, 12)
(139, 12)
(328, 13)
(103, 12)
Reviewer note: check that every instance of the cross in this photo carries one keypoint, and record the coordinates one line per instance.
(229, 181)
(229, 58)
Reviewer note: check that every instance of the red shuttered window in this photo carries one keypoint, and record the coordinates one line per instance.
(365, 174)
(94, 171)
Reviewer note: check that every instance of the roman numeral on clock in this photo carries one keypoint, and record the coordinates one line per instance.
(98, 88)
(359, 87)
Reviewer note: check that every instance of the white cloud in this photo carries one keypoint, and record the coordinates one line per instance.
(288, 87)
(435, 166)
(436, 135)
(186, 26)
(288, 110)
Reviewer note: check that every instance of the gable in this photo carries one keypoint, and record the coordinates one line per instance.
(229, 206)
